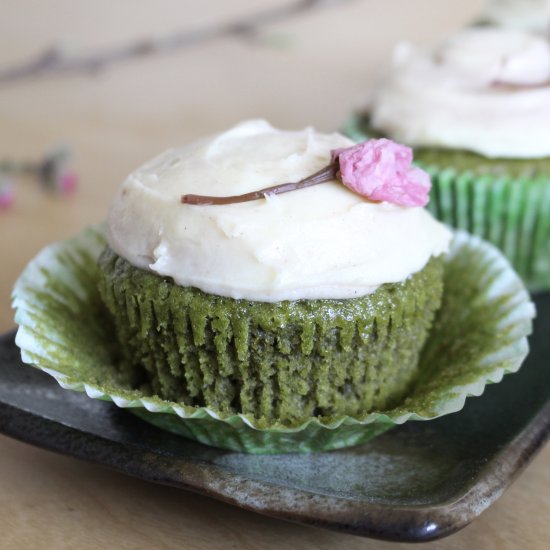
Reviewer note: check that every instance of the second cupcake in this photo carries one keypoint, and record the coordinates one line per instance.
(477, 111)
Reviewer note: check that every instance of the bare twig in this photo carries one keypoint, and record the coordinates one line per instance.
(325, 174)
(55, 61)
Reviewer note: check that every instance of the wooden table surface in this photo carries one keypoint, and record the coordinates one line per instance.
(310, 70)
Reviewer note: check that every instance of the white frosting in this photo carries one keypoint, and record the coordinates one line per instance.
(533, 15)
(320, 242)
(484, 89)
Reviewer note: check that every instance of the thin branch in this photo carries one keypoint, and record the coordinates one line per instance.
(325, 174)
(56, 61)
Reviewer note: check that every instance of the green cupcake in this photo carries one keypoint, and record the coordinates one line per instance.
(267, 307)
(274, 321)
(476, 110)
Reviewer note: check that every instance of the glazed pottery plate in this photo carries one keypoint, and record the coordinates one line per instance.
(417, 482)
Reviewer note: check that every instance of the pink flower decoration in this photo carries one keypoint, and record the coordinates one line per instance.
(381, 170)
(67, 182)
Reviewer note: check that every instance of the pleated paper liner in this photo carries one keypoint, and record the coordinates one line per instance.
(479, 335)
(508, 206)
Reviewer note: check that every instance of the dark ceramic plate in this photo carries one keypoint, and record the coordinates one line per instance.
(418, 482)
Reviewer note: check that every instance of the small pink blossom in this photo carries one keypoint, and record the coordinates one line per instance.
(7, 195)
(67, 182)
(382, 170)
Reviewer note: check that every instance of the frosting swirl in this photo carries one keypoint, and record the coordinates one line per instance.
(319, 242)
(485, 89)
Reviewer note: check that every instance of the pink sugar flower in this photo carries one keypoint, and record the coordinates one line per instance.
(382, 170)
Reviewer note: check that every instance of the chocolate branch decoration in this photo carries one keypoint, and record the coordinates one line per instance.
(325, 174)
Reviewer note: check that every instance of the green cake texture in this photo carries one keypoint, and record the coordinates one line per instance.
(280, 363)
(504, 201)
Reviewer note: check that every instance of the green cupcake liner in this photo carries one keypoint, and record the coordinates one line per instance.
(503, 201)
(279, 362)
(478, 336)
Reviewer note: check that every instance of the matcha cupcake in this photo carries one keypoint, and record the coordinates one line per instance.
(267, 321)
(476, 110)
(314, 303)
